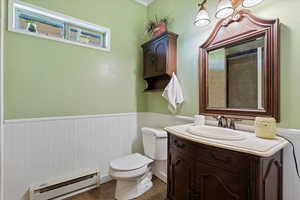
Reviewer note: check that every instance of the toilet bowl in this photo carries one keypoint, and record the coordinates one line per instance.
(134, 172)
(133, 176)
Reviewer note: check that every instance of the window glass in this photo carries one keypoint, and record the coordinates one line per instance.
(29, 19)
(35, 23)
(86, 36)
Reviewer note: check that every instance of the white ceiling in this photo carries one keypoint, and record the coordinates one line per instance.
(144, 2)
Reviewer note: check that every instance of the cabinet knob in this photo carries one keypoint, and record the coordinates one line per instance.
(177, 144)
(152, 59)
(177, 162)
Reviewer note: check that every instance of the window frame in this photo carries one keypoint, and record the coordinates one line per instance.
(13, 4)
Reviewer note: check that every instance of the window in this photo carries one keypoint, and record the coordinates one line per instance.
(32, 20)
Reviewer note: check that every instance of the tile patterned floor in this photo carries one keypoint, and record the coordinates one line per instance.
(106, 192)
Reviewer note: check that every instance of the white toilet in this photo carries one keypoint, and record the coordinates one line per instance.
(134, 172)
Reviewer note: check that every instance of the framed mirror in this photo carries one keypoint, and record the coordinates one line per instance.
(239, 68)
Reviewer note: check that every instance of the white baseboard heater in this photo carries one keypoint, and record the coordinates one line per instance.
(65, 187)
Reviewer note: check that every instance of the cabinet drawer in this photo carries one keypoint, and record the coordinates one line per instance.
(182, 146)
(225, 159)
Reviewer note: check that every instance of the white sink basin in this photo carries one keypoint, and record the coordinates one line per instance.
(216, 133)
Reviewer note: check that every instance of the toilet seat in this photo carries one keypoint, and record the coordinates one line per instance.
(131, 162)
(131, 166)
(128, 174)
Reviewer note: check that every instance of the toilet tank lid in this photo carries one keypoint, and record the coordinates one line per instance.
(130, 162)
(155, 132)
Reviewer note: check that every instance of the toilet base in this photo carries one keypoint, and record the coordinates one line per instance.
(130, 189)
(159, 170)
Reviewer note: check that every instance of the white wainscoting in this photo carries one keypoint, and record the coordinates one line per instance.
(291, 183)
(39, 150)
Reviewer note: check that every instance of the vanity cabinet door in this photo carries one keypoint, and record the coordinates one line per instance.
(180, 177)
(217, 184)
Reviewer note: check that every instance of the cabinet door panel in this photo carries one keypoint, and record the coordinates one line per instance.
(180, 177)
(225, 159)
(271, 178)
(149, 61)
(214, 183)
(160, 50)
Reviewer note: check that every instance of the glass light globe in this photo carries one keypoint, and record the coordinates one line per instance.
(202, 18)
(250, 3)
(224, 9)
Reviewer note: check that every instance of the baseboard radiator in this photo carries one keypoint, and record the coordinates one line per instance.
(65, 187)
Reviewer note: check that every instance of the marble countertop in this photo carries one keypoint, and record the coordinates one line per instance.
(251, 144)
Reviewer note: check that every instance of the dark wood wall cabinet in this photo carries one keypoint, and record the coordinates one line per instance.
(201, 172)
(160, 55)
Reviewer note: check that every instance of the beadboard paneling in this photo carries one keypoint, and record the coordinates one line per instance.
(291, 183)
(40, 150)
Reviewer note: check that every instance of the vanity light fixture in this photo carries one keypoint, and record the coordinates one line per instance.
(224, 9)
(250, 3)
(202, 18)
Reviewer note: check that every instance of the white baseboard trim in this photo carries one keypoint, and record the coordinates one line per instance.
(162, 176)
(105, 179)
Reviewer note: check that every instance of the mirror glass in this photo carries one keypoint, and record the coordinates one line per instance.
(236, 76)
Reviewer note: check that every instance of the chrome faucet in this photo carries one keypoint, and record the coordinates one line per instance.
(232, 124)
(224, 122)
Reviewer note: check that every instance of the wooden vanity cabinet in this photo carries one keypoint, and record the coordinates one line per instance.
(159, 60)
(202, 172)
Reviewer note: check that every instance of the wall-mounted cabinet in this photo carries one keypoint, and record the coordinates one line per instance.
(160, 57)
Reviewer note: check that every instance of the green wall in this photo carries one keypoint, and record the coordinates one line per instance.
(190, 38)
(45, 78)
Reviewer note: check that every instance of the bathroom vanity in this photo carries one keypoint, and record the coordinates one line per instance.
(239, 79)
(207, 169)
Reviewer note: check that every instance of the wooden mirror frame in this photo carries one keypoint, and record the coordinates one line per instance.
(241, 27)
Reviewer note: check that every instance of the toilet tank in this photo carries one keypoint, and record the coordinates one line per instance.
(155, 143)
